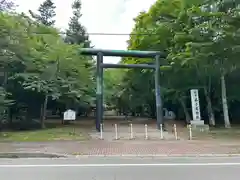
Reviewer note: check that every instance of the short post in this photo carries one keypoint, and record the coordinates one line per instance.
(175, 131)
(161, 131)
(190, 131)
(146, 131)
(101, 131)
(116, 132)
(131, 131)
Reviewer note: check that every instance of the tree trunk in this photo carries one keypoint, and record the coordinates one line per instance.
(224, 102)
(44, 110)
(209, 108)
(187, 115)
(5, 80)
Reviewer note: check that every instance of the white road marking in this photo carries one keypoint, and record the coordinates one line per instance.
(114, 165)
(162, 155)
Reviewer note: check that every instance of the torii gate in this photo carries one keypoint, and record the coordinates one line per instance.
(125, 53)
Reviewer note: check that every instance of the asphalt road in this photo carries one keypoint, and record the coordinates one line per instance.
(121, 168)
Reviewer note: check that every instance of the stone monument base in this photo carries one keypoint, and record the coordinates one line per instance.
(199, 125)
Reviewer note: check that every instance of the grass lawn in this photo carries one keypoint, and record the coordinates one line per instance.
(214, 133)
(60, 132)
(222, 133)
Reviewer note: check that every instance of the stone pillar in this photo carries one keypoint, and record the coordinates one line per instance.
(197, 122)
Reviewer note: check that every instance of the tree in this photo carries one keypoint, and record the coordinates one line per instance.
(6, 5)
(217, 30)
(192, 34)
(35, 63)
(165, 24)
(76, 33)
(45, 17)
(111, 87)
(46, 13)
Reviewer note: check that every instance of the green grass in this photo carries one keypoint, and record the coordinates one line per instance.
(218, 133)
(214, 134)
(51, 134)
(225, 133)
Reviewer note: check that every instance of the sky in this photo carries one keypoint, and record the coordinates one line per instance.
(99, 16)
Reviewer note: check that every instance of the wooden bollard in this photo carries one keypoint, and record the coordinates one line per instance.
(146, 131)
(175, 131)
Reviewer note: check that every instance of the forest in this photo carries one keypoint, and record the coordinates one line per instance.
(201, 39)
(42, 67)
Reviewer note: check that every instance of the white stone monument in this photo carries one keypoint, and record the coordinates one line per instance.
(197, 122)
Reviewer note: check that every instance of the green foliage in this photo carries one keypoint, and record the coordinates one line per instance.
(38, 67)
(36, 63)
(201, 39)
(111, 87)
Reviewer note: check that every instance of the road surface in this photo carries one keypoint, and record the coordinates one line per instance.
(121, 168)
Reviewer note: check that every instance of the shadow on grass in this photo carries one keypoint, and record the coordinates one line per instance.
(54, 131)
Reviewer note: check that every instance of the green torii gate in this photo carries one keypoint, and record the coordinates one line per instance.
(122, 53)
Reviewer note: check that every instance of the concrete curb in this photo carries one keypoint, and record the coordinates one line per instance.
(39, 155)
